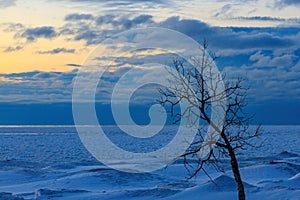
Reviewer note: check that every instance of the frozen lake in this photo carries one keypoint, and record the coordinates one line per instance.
(51, 162)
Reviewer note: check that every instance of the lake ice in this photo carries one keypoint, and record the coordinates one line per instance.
(50, 162)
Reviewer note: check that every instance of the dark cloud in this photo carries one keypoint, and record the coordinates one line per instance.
(220, 37)
(123, 22)
(106, 19)
(129, 23)
(90, 36)
(7, 3)
(57, 51)
(284, 3)
(73, 65)
(260, 18)
(188, 26)
(22, 75)
(93, 32)
(31, 34)
(12, 49)
(75, 17)
(267, 70)
(98, 28)
(46, 75)
(141, 19)
(226, 37)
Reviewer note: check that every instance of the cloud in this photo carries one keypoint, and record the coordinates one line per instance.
(7, 3)
(93, 32)
(37, 87)
(82, 27)
(46, 75)
(272, 68)
(75, 17)
(272, 76)
(13, 27)
(124, 22)
(121, 2)
(73, 65)
(4, 79)
(141, 19)
(31, 34)
(263, 60)
(222, 38)
(98, 28)
(283, 3)
(227, 40)
(224, 10)
(136, 6)
(90, 36)
(12, 49)
(106, 19)
(57, 51)
(260, 18)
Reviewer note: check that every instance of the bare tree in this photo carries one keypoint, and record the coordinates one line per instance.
(206, 91)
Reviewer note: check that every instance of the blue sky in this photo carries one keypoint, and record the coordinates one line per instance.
(46, 42)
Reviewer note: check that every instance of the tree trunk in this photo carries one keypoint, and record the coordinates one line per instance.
(236, 173)
(235, 168)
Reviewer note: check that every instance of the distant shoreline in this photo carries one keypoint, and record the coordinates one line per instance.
(109, 125)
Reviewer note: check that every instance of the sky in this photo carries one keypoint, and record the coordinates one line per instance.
(43, 45)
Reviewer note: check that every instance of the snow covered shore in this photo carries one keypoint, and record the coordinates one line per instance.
(51, 163)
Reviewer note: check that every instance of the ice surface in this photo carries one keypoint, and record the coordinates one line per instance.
(52, 163)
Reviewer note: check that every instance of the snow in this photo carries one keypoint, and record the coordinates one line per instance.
(51, 163)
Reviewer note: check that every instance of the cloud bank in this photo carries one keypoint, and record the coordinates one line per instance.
(57, 51)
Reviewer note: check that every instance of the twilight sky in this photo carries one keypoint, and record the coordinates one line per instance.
(44, 42)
